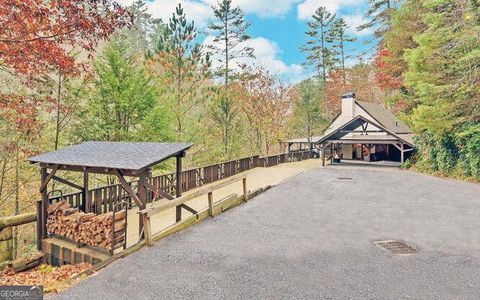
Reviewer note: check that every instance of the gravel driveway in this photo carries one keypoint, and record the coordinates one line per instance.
(312, 238)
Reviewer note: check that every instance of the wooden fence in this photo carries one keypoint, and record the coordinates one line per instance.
(103, 198)
(6, 234)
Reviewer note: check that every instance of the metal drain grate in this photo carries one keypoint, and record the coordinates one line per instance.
(396, 247)
(345, 178)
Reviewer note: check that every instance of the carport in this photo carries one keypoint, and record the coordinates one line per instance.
(368, 134)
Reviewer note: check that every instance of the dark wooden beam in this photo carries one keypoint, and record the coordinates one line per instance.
(46, 180)
(158, 191)
(94, 170)
(142, 195)
(44, 194)
(85, 195)
(324, 148)
(64, 181)
(39, 225)
(331, 153)
(188, 208)
(179, 187)
(128, 188)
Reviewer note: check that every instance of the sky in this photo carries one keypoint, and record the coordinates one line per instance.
(277, 28)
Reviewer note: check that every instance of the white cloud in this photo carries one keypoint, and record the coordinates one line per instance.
(266, 55)
(198, 12)
(308, 7)
(353, 22)
(201, 10)
(262, 8)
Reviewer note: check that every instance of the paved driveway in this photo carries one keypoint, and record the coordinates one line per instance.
(312, 238)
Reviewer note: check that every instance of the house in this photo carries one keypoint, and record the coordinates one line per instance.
(363, 131)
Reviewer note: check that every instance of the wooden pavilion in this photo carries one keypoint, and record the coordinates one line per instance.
(113, 158)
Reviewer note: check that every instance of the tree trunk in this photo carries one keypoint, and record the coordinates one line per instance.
(17, 204)
(343, 63)
(2, 176)
(59, 94)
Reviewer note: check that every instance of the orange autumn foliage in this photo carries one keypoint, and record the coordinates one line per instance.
(385, 76)
(37, 34)
(335, 89)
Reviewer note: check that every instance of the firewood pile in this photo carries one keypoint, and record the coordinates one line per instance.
(86, 228)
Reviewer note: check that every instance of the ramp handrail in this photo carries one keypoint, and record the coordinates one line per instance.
(148, 212)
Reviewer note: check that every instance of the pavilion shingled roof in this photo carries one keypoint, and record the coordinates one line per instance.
(113, 155)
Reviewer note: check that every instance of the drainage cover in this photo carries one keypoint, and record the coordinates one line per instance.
(345, 178)
(396, 247)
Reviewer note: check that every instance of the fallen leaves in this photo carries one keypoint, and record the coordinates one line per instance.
(53, 279)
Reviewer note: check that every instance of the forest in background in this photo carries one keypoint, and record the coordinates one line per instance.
(72, 71)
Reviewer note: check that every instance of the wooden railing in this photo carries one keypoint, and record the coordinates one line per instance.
(103, 198)
(146, 214)
(6, 233)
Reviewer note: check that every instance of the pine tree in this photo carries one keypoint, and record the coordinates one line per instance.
(230, 30)
(378, 15)
(123, 95)
(444, 70)
(318, 54)
(443, 75)
(146, 29)
(308, 119)
(338, 37)
(184, 67)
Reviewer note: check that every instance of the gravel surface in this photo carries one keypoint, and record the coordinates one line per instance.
(312, 238)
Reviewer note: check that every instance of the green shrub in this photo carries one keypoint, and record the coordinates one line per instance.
(456, 155)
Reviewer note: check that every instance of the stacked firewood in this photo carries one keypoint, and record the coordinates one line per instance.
(86, 228)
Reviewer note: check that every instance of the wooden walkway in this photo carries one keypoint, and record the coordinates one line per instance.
(257, 178)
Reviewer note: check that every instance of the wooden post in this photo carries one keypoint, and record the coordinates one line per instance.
(61, 259)
(324, 148)
(6, 244)
(245, 191)
(142, 195)
(331, 153)
(179, 186)
(402, 153)
(210, 204)
(85, 195)
(44, 192)
(147, 229)
(39, 224)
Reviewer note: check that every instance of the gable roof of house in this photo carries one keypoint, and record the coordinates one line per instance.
(384, 117)
(356, 122)
(381, 115)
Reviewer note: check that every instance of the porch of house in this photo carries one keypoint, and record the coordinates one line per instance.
(362, 163)
(360, 139)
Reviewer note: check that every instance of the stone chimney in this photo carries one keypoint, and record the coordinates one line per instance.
(348, 104)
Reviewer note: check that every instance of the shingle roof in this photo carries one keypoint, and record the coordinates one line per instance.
(342, 131)
(113, 155)
(384, 117)
(305, 140)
